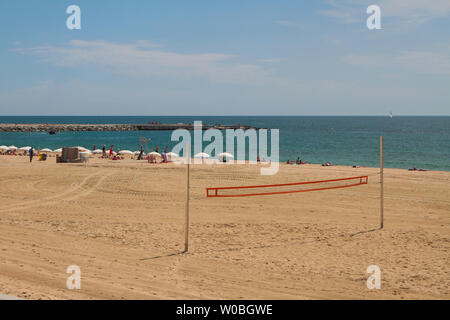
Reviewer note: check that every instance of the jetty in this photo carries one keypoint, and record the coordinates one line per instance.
(55, 128)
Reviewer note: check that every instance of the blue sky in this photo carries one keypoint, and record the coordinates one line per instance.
(210, 57)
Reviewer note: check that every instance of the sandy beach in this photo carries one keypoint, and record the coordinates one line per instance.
(122, 223)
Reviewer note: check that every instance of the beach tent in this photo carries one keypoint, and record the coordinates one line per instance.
(125, 152)
(46, 150)
(202, 155)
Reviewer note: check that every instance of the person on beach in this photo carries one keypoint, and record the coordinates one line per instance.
(93, 147)
(141, 153)
(151, 158)
(164, 155)
(111, 151)
(156, 148)
(104, 151)
(31, 151)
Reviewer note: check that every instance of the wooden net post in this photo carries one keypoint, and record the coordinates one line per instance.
(186, 226)
(381, 185)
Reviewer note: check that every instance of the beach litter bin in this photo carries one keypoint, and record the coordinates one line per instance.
(42, 157)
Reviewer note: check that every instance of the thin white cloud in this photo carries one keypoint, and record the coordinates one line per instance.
(270, 60)
(435, 62)
(405, 14)
(144, 59)
(425, 9)
(345, 16)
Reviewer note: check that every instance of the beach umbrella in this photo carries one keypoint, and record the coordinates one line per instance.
(202, 155)
(125, 152)
(81, 148)
(23, 148)
(12, 148)
(3, 148)
(46, 150)
(172, 155)
(97, 151)
(154, 153)
(225, 155)
(58, 150)
(85, 153)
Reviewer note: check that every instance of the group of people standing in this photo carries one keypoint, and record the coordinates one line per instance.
(151, 158)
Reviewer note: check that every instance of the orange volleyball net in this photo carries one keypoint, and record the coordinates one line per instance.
(271, 189)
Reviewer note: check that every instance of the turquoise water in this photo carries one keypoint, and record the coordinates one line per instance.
(423, 142)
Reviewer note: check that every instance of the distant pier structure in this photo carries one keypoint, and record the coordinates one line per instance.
(55, 128)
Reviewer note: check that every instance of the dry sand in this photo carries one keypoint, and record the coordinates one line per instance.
(122, 224)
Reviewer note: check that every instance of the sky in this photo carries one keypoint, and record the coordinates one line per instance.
(210, 57)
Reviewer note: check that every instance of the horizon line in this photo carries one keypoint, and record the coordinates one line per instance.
(223, 115)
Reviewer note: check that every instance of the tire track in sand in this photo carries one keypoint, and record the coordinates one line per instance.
(63, 195)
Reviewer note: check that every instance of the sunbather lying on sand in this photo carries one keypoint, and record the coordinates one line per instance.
(415, 169)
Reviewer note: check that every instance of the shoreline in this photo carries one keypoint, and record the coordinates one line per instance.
(144, 161)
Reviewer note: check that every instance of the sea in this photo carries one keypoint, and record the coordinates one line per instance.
(409, 141)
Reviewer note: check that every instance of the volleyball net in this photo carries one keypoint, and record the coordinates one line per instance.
(285, 188)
